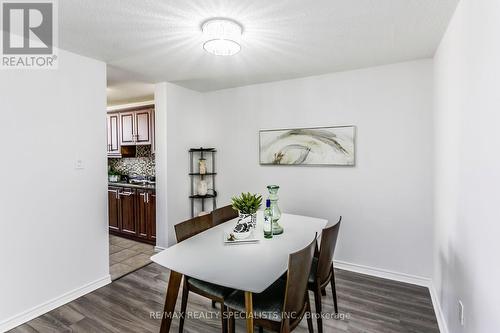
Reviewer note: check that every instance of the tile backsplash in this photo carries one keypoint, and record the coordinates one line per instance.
(142, 164)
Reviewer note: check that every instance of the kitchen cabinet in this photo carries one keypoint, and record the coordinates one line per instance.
(127, 211)
(136, 127)
(146, 214)
(127, 126)
(152, 216)
(113, 135)
(113, 207)
(132, 213)
(144, 123)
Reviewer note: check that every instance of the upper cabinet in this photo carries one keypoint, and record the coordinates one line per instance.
(127, 124)
(113, 134)
(130, 128)
(144, 123)
(136, 127)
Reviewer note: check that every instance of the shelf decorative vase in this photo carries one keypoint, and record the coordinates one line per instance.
(202, 162)
(202, 188)
(276, 213)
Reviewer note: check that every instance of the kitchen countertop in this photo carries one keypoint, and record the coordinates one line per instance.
(125, 184)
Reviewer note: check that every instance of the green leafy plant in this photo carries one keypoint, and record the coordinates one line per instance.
(247, 203)
(113, 172)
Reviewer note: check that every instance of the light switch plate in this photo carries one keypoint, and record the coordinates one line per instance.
(79, 165)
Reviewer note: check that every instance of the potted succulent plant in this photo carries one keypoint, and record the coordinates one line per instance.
(247, 205)
(113, 175)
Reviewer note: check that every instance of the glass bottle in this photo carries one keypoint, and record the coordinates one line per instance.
(273, 196)
(268, 220)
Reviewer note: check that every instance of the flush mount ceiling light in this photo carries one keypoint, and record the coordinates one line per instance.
(222, 37)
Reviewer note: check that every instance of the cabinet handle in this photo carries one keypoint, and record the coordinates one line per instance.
(144, 196)
(147, 197)
(125, 194)
(116, 193)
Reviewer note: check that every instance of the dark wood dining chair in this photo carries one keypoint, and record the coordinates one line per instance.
(322, 271)
(223, 214)
(211, 291)
(281, 307)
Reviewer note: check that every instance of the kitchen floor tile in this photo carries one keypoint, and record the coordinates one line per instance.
(122, 255)
(143, 248)
(115, 240)
(126, 255)
(126, 243)
(114, 248)
(138, 261)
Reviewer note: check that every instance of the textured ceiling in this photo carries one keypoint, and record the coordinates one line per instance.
(160, 40)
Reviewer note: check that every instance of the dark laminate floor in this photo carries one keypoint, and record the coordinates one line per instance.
(371, 305)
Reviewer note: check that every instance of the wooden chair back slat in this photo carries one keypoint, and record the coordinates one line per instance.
(191, 227)
(223, 214)
(327, 248)
(299, 266)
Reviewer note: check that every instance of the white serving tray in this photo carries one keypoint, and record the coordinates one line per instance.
(249, 240)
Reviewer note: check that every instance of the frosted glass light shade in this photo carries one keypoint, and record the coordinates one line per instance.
(221, 37)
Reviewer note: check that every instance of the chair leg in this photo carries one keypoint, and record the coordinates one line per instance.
(285, 326)
(185, 294)
(323, 292)
(309, 316)
(334, 292)
(317, 303)
(224, 318)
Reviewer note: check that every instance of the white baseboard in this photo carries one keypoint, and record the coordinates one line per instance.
(159, 248)
(383, 273)
(443, 327)
(401, 277)
(52, 304)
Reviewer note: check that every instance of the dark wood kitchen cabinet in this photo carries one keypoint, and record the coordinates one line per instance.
(132, 213)
(146, 214)
(152, 216)
(127, 211)
(113, 208)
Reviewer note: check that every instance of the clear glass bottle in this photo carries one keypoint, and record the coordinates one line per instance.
(276, 212)
(268, 220)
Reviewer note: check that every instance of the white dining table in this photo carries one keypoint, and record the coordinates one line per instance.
(250, 267)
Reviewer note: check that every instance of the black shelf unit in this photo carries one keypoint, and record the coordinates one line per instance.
(194, 155)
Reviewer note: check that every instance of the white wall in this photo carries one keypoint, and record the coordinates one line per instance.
(467, 81)
(180, 125)
(385, 200)
(53, 243)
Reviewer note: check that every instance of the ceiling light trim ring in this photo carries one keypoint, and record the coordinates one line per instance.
(222, 36)
(238, 46)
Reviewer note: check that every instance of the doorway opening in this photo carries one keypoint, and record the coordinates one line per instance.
(131, 175)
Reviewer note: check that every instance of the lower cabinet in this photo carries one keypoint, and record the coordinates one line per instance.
(113, 208)
(132, 213)
(146, 214)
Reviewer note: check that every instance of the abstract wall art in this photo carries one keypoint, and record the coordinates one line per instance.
(308, 146)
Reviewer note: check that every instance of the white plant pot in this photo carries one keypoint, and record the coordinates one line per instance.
(246, 223)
